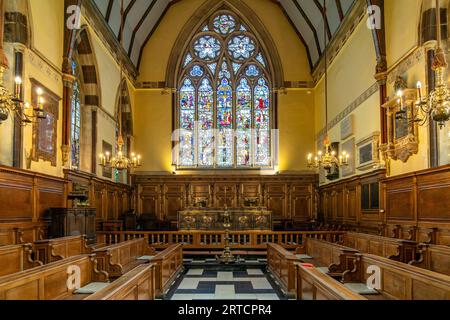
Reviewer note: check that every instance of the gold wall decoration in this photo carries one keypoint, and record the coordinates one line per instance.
(45, 132)
(403, 136)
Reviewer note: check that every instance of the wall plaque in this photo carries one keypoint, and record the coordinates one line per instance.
(347, 127)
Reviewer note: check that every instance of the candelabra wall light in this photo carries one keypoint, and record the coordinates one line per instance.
(435, 106)
(13, 105)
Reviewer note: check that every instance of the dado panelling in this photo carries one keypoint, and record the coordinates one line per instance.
(110, 199)
(341, 203)
(287, 196)
(25, 197)
(417, 205)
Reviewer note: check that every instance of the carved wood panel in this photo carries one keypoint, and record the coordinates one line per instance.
(290, 196)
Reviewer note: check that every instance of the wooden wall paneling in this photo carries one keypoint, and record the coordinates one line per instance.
(201, 191)
(174, 199)
(276, 199)
(250, 190)
(302, 201)
(287, 195)
(225, 193)
(150, 199)
(25, 197)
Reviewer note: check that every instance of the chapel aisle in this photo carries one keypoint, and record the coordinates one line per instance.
(225, 283)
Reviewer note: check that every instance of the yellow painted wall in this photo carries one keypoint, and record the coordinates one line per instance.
(290, 48)
(153, 130)
(296, 130)
(350, 74)
(402, 18)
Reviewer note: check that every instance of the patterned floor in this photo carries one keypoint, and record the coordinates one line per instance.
(225, 283)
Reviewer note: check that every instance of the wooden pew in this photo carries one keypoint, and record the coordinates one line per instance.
(311, 284)
(50, 250)
(119, 258)
(401, 281)
(337, 258)
(169, 264)
(49, 282)
(16, 258)
(138, 284)
(280, 263)
(433, 257)
(395, 249)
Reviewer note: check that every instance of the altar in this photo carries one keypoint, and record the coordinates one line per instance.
(214, 219)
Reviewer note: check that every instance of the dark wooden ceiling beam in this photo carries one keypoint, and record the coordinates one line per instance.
(340, 11)
(124, 19)
(313, 29)
(138, 26)
(325, 17)
(109, 10)
(171, 3)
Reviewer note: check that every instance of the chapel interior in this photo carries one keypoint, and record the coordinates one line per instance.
(224, 149)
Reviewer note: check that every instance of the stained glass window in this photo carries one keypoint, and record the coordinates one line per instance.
(76, 120)
(224, 101)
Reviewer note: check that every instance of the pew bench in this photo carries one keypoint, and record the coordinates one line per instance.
(396, 249)
(50, 250)
(433, 257)
(117, 259)
(400, 281)
(312, 284)
(280, 263)
(330, 258)
(138, 284)
(16, 258)
(49, 282)
(168, 265)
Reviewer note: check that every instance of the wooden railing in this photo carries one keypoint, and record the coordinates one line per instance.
(168, 264)
(216, 239)
(280, 263)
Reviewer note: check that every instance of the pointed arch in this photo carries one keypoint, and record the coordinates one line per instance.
(247, 15)
(89, 92)
(225, 95)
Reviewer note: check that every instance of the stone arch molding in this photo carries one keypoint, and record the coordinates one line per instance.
(247, 15)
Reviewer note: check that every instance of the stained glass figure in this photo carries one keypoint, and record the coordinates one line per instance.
(224, 24)
(243, 123)
(206, 121)
(262, 123)
(207, 48)
(187, 122)
(225, 143)
(241, 47)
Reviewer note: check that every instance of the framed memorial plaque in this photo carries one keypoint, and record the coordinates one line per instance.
(347, 127)
(45, 130)
(367, 153)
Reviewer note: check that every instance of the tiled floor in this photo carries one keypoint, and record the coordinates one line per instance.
(239, 283)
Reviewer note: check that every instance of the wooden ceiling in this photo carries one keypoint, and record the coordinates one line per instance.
(143, 16)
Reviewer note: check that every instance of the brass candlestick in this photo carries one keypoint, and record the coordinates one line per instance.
(226, 257)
